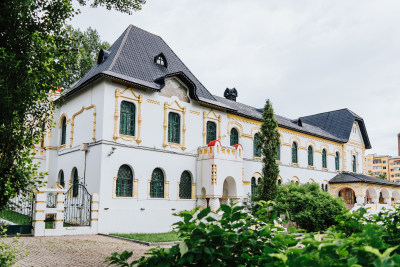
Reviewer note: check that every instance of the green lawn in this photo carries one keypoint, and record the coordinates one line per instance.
(15, 217)
(160, 237)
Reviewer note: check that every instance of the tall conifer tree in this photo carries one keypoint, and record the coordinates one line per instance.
(269, 144)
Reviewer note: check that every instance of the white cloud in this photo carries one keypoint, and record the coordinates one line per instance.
(306, 56)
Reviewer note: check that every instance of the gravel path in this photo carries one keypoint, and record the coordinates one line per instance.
(84, 250)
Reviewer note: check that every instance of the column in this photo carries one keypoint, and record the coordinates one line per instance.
(38, 215)
(214, 203)
(94, 216)
(387, 200)
(59, 223)
(374, 200)
(360, 200)
(202, 203)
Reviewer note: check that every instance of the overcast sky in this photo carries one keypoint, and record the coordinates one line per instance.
(306, 56)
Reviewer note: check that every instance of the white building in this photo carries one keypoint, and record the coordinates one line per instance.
(136, 130)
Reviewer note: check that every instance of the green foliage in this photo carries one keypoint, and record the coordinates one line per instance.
(234, 238)
(36, 54)
(307, 205)
(9, 251)
(269, 142)
(157, 237)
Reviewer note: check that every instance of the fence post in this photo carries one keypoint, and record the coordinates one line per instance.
(39, 215)
(94, 216)
(59, 223)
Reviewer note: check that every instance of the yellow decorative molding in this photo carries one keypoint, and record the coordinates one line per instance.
(214, 174)
(232, 124)
(153, 102)
(135, 188)
(133, 97)
(166, 191)
(211, 116)
(194, 112)
(61, 146)
(60, 119)
(73, 119)
(182, 110)
(257, 158)
(193, 190)
(243, 119)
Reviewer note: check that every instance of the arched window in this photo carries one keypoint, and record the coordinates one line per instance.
(256, 146)
(324, 165)
(253, 186)
(63, 130)
(174, 128)
(310, 156)
(326, 187)
(337, 166)
(279, 181)
(278, 154)
(354, 163)
(294, 153)
(259, 180)
(322, 187)
(75, 182)
(157, 184)
(127, 120)
(185, 186)
(124, 184)
(234, 137)
(211, 131)
(61, 180)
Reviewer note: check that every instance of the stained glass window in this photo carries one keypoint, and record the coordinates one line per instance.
(127, 120)
(63, 130)
(157, 184)
(234, 137)
(211, 131)
(294, 152)
(310, 156)
(75, 182)
(185, 186)
(324, 164)
(124, 184)
(174, 128)
(337, 161)
(256, 147)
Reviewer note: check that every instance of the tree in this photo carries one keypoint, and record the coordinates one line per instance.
(36, 49)
(382, 176)
(269, 143)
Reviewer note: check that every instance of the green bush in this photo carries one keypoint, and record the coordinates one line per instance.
(9, 251)
(307, 205)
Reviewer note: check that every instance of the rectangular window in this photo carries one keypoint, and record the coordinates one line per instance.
(174, 128)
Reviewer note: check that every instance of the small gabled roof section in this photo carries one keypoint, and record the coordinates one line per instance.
(349, 177)
(339, 123)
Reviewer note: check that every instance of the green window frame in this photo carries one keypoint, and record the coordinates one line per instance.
(157, 184)
(337, 162)
(234, 137)
(256, 146)
(75, 182)
(354, 163)
(294, 153)
(174, 128)
(61, 178)
(253, 186)
(211, 131)
(278, 154)
(124, 183)
(324, 163)
(63, 130)
(127, 118)
(185, 186)
(310, 156)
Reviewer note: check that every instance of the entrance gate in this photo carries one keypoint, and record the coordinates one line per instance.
(77, 207)
(17, 214)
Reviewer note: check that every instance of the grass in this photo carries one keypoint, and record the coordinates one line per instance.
(15, 217)
(153, 238)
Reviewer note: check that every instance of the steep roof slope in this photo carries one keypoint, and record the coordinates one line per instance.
(348, 177)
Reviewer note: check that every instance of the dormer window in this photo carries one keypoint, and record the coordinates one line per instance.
(160, 60)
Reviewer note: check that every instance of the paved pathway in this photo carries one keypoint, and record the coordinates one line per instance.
(85, 250)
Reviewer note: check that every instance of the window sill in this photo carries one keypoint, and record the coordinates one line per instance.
(154, 198)
(257, 158)
(311, 167)
(294, 164)
(279, 162)
(115, 197)
(325, 169)
(62, 146)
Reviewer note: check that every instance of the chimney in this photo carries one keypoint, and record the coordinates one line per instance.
(231, 94)
(398, 142)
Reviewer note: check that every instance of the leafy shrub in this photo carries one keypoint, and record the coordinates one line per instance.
(9, 251)
(307, 205)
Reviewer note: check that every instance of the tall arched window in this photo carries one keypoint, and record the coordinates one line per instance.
(337, 166)
(256, 147)
(294, 153)
(253, 186)
(310, 156)
(324, 164)
(279, 181)
(157, 184)
(63, 130)
(127, 120)
(185, 186)
(124, 184)
(259, 180)
(354, 163)
(278, 154)
(234, 137)
(326, 187)
(174, 128)
(61, 180)
(211, 131)
(75, 182)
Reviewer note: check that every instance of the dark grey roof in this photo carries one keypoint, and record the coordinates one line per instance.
(348, 177)
(131, 61)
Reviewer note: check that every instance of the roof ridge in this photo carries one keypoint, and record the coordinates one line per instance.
(120, 47)
(324, 112)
